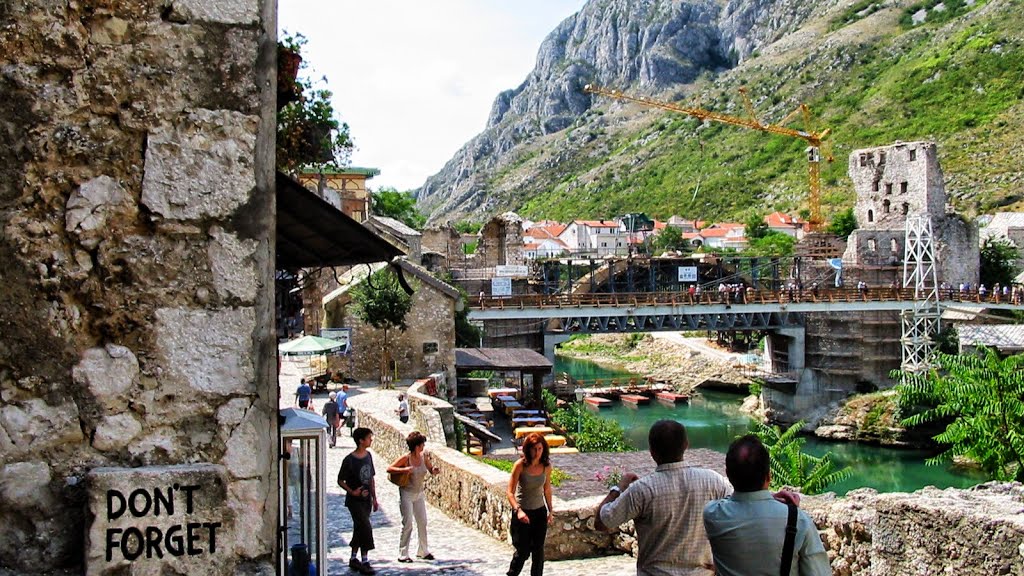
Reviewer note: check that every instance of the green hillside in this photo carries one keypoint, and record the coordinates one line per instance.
(871, 76)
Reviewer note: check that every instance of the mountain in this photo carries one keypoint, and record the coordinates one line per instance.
(873, 72)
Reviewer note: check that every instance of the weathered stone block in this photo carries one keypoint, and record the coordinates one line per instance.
(91, 206)
(34, 425)
(208, 350)
(231, 261)
(160, 520)
(202, 167)
(115, 432)
(108, 373)
(241, 12)
(26, 486)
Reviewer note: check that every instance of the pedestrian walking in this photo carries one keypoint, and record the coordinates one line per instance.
(411, 499)
(356, 478)
(343, 409)
(529, 493)
(403, 409)
(303, 394)
(331, 414)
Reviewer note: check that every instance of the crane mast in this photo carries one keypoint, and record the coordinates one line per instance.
(814, 139)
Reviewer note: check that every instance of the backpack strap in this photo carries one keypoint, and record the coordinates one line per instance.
(787, 547)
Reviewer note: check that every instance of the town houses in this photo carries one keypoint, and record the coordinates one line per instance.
(633, 233)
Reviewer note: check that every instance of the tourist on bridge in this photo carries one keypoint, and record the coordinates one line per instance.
(749, 530)
(411, 499)
(666, 507)
(529, 494)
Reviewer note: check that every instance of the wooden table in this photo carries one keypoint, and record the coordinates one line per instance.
(504, 399)
(527, 430)
(528, 420)
(494, 392)
(554, 440)
(522, 413)
(511, 407)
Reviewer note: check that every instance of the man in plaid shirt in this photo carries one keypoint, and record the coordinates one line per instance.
(666, 507)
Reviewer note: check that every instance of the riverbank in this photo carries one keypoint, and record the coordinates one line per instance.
(663, 358)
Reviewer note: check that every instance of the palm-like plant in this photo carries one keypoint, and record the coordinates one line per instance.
(981, 398)
(791, 466)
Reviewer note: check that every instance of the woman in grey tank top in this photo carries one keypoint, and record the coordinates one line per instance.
(411, 499)
(529, 494)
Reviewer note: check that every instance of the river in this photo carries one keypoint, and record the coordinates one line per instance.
(713, 419)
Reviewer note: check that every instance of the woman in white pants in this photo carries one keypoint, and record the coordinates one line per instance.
(410, 497)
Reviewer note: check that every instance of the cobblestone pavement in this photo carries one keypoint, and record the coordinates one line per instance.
(459, 550)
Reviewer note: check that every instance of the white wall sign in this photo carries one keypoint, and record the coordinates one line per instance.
(339, 334)
(687, 273)
(511, 270)
(501, 286)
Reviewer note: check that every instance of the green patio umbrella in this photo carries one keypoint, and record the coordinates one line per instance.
(310, 346)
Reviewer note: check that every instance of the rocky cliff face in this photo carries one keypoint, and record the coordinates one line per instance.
(652, 46)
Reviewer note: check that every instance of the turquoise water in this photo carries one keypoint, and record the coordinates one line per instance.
(713, 419)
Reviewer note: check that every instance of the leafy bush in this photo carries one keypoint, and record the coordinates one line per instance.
(596, 434)
(793, 467)
(557, 475)
(981, 399)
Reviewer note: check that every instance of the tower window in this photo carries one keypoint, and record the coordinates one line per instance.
(888, 187)
(913, 155)
(885, 206)
(871, 215)
(903, 187)
(871, 244)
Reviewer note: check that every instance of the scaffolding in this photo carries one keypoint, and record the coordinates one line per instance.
(921, 323)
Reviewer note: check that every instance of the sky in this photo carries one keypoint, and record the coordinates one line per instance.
(415, 79)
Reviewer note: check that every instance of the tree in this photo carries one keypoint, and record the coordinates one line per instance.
(998, 261)
(308, 131)
(381, 302)
(771, 244)
(791, 466)
(755, 227)
(980, 397)
(668, 239)
(843, 224)
(398, 205)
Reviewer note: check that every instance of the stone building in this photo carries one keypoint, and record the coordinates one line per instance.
(345, 189)
(893, 183)
(138, 354)
(426, 347)
(501, 242)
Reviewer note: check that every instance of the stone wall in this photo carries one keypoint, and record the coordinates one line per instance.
(501, 242)
(137, 209)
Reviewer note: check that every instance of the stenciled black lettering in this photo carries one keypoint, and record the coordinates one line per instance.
(111, 532)
(166, 500)
(192, 537)
(133, 497)
(132, 533)
(213, 534)
(174, 542)
(153, 537)
(115, 496)
(188, 490)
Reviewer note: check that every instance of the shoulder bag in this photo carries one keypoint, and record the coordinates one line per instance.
(787, 546)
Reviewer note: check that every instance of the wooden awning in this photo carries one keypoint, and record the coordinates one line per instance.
(311, 233)
(501, 359)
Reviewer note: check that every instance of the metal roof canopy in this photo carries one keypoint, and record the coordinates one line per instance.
(311, 233)
(501, 359)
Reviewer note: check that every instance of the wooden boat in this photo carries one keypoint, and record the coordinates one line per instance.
(597, 402)
(635, 399)
(672, 397)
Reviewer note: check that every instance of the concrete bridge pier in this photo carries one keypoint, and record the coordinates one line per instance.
(552, 340)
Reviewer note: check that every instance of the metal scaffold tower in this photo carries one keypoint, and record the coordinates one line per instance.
(921, 323)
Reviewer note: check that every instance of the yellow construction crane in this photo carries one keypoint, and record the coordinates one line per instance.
(813, 139)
